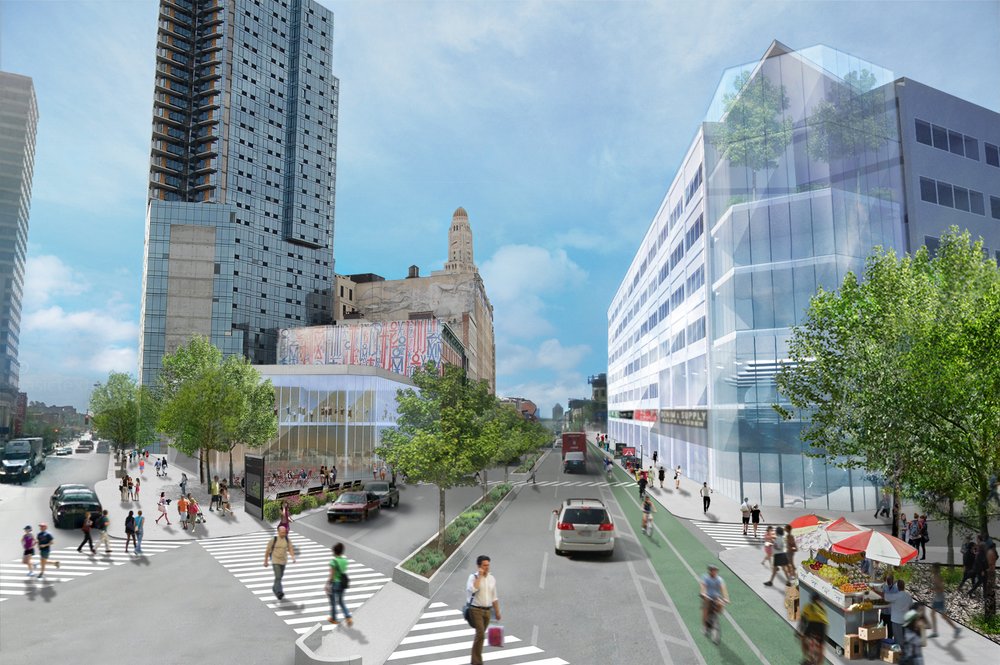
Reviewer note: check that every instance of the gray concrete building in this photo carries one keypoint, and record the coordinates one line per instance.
(240, 216)
(18, 127)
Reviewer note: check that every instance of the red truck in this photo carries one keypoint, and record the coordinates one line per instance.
(576, 443)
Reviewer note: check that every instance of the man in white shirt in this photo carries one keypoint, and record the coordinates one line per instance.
(706, 499)
(482, 588)
(900, 602)
(745, 509)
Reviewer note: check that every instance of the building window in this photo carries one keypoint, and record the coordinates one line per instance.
(924, 132)
(932, 244)
(995, 207)
(946, 139)
(928, 190)
(952, 196)
(992, 154)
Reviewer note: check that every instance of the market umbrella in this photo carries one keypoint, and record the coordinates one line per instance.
(840, 528)
(877, 546)
(805, 523)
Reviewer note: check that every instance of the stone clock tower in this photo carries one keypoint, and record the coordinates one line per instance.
(460, 244)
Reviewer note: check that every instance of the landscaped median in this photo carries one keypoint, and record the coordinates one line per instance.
(425, 570)
(299, 503)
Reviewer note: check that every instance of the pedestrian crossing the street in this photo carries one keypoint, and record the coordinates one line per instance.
(442, 637)
(730, 535)
(305, 603)
(14, 580)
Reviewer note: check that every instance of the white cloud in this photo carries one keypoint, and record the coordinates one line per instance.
(88, 324)
(550, 355)
(47, 276)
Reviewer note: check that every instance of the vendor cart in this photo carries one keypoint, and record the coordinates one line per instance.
(843, 621)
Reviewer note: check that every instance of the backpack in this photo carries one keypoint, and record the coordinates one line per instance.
(129, 524)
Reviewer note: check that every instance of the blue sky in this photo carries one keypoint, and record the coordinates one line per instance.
(557, 125)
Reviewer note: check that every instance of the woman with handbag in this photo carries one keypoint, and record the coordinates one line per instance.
(336, 584)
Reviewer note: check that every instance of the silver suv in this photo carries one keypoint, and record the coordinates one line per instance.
(584, 525)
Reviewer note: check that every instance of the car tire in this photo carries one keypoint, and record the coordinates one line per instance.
(395, 503)
(609, 554)
(559, 552)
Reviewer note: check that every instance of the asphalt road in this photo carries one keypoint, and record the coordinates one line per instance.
(581, 608)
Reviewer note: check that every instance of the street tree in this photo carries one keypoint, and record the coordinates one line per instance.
(897, 374)
(438, 431)
(124, 412)
(753, 132)
(253, 421)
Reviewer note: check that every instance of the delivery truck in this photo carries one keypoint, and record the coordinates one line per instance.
(574, 442)
(22, 460)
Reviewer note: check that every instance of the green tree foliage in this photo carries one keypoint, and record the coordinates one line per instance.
(211, 403)
(754, 132)
(899, 374)
(124, 412)
(439, 434)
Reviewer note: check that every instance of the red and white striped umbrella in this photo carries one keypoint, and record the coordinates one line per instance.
(840, 528)
(877, 546)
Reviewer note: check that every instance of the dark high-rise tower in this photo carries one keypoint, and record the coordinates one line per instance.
(18, 122)
(239, 226)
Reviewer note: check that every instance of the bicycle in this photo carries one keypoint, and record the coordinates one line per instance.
(713, 627)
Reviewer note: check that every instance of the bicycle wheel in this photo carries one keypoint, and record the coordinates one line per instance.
(714, 630)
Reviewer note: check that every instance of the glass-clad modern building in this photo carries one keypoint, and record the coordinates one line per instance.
(240, 217)
(806, 161)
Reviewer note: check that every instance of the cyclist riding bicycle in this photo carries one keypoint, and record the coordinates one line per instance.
(647, 512)
(714, 594)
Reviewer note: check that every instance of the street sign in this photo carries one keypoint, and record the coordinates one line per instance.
(628, 452)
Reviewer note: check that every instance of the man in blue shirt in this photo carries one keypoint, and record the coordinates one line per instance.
(713, 592)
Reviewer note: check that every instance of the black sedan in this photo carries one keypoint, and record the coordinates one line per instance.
(354, 505)
(69, 508)
(63, 489)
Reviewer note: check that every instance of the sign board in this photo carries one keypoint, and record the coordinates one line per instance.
(645, 415)
(254, 473)
(686, 417)
(628, 452)
(619, 450)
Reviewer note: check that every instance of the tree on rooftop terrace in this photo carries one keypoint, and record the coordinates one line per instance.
(754, 132)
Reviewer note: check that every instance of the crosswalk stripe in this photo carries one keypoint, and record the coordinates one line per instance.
(302, 583)
(436, 640)
(731, 536)
(73, 565)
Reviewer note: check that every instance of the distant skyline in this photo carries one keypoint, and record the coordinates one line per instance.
(558, 126)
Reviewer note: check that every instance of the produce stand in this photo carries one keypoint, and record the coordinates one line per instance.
(852, 608)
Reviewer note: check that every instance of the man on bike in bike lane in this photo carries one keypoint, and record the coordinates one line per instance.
(713, 592)
(647, 514)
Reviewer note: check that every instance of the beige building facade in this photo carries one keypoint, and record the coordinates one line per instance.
(455, 295)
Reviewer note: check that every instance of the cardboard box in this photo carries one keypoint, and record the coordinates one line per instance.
(890, 656)
(854, 647)
(868, 633)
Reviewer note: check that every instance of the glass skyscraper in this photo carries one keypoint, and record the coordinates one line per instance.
(806, 161)
(18, 125)
(240, 219)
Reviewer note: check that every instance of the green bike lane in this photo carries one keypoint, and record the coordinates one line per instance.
(751, 631)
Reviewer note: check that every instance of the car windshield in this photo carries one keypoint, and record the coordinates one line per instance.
(377, 487)
(15, 456)
(78, 497)
(351, 498)
(585, 516)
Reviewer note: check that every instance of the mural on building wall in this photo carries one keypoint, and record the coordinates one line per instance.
(396, 346)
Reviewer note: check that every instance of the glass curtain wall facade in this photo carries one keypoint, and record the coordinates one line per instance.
(331, 417)
(18, 127)
(244, 140)
(792, 179)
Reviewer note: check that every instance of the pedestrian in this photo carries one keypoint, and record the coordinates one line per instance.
(647, 515)
(909, 638)
(900, 601)
(374, 470)
(182, 510)
(677, 477)
(968, 561)
(768, 546)
(87, 540)
(136, 489)
(903, 525)
(164, 465)
(147, 453)
(656, 455)
(131, 488)
(123, 488)
(140, 523)
(194, 512)
(937, 602)
(184, 484)
(129, 530)
(790, 549)
(923, 536)
(333, 474)
(482, 589)
(813, 624)
(142, 464)
(980, 565)
(216, 495)
(745, 512)
(381, 471)
(277, 553)
(755, 517)
(913, 533)
(44, 539)
(161, 505)
(157, 465)
(533, 469)
(883, 505)
(663, 475)
(286, 517)
(706, 499)
(224, 498)
(642, 486)
(28, 546)
(103, 523)
(336, 584)
(780, 558)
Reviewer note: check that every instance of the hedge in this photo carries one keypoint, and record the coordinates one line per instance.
(297, 504)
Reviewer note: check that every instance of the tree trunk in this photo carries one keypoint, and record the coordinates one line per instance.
(895, 509)
(441, 519)
(231, 465)
(484, 483)
(990, 576)
(951, 529)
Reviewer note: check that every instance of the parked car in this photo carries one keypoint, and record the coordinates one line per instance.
(584, 525)
(64, 450)
(68, 510)
(103, 447)
(387, 492)
(357, 505)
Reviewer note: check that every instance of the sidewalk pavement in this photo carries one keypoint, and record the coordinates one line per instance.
(215, 526)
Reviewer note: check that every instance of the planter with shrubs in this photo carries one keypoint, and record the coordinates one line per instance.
(297, 504)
